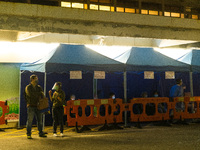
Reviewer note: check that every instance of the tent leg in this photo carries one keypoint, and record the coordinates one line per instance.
(191, 84)
(19, 98)
(45, 84)
(125, 98)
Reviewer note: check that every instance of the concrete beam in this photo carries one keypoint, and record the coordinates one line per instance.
(8, 36)
(48, 19)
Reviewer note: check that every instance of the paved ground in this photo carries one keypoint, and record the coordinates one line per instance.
(184, 137)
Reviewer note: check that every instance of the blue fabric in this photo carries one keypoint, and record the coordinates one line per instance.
(147, 59)
(113, 83)
(176, 91)
(136, 84)
(74, 57)
(83, 89)
(192, 58)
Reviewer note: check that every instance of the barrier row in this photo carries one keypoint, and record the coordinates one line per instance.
(101, 111)
(3, 110)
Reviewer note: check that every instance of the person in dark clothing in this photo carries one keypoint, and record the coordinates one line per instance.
(58, 100)
(33, 92)
(178, 91)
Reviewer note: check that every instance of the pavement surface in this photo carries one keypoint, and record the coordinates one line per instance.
(150, 137)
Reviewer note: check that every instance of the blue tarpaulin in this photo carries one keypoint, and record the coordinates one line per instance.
(74, 57)
(147, 59)
(192, 58)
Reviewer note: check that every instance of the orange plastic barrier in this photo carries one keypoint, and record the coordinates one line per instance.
(76, 110)
(143, 116)
(5, 109)
(78, 107)
(190, 102)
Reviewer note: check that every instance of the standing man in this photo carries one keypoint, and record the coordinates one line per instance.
(58, 100)
(178, 89)
(33, 92)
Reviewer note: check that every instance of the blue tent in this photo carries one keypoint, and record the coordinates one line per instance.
(74, 57)
(63, 59)
(192, 58)
(147, 59)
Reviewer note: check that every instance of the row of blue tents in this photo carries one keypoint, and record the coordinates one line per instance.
(121, 72)
(79, 57)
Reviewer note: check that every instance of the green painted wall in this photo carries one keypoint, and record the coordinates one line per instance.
(9, 80)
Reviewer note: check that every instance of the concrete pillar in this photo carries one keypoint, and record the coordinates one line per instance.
(115, 4)
(163, 7)
(88, 4)
(140, 5)
(59, 2)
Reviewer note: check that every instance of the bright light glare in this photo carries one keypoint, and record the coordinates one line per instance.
(109, 51)
(19, 52)
(173, 53)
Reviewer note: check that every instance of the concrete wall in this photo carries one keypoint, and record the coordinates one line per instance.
(9, 81)
(48, 19)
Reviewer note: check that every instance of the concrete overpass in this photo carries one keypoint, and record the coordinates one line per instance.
(51, 24)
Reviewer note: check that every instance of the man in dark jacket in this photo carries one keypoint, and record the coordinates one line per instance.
(33, 92)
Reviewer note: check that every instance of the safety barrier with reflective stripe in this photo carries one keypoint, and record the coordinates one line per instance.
(191, 108)
(76, 111)
(144, 102)
(3, 110)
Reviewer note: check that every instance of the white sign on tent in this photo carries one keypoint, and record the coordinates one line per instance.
(148, 75)
(169, 75)
(75, 74)
(99, 74)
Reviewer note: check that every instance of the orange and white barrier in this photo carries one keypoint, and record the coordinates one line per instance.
(113, 110)
(191, 108)
(143, 116)
(78, 109)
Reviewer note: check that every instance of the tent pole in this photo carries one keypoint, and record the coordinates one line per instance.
(125, 97)
(94, 88)
(19, 97)
(191, 84)
(45, 84)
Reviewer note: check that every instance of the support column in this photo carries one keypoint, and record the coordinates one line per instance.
(94, 88)
(59, 3)
(140, 6)
(115, 5)
(125, 98)
(19, 97)
(88, 4)
(45, 89)
(191, 84)
(163, 7)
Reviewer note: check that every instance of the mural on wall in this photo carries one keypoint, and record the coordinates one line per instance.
(13, 114)
(9, 89)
